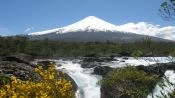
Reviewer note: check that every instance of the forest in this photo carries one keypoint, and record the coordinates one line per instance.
(19, 44)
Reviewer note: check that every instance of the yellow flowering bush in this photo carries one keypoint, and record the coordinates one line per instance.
(49, 87)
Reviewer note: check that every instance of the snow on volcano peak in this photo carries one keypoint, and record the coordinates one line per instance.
(90, 23)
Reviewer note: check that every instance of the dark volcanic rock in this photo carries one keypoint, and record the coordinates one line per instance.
(125, 58)
(89, 64)
(98, 59)
(20, 70)
(13, 66)
(113, 92)
(24, 57)
(158, 68)
(0, 58)
(90, 55)
(19, 58)
(102, 70)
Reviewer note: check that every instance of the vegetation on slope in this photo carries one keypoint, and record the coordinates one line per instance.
(18, 44)
(128, 82)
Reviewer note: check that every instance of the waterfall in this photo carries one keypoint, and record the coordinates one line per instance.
(88, 86)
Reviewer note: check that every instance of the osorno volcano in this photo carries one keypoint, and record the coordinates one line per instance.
(90, 29)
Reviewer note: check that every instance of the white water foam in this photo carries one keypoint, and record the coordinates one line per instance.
(87, 83)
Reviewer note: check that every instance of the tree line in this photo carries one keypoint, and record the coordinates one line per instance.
(20, 44)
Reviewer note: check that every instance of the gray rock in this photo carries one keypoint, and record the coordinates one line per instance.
(158, 68)
(102, 70)
(89, 64)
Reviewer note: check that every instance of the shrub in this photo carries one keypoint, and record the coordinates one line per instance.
(49, 87)
(129, 82)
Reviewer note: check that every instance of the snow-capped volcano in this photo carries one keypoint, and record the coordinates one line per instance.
(88, 24)
(92, 28)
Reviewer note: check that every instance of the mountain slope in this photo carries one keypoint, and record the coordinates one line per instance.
(95, 36)
(91, 23)
(90, 29)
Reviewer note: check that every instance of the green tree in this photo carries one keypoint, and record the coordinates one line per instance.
(167, 10)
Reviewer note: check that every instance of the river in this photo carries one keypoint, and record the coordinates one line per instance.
(88, 83)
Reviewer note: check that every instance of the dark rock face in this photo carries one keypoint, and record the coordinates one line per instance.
(125, 58)
(102, 70)
(90, 62)
(113, 92)
(90, 55)
(19, 66)
(0, 58)
(20, 70)
(158, 68)
(98, 59)
(20, 58)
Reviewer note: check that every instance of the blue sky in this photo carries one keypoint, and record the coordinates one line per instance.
(25, 16)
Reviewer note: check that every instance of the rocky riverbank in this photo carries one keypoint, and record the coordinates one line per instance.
(22, 67)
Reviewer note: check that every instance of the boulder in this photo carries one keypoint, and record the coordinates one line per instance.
(125, 58)
(98, 59)
(158, 68)
(20, 70)
(102, 70)
(90, 55)
(19, 58)
(0, 58)
(89, 64)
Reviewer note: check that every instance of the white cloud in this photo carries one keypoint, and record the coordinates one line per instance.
(28, 29)
(149, 29)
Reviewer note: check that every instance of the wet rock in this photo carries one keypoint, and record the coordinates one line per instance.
(98, 59)
(158, 68)
(122, 61)
(0, 58)
(90, 55)
(125, 58)
(102, 70)
(89, 64)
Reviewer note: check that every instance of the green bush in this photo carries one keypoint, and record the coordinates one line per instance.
(130, 82)
(4, 79)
